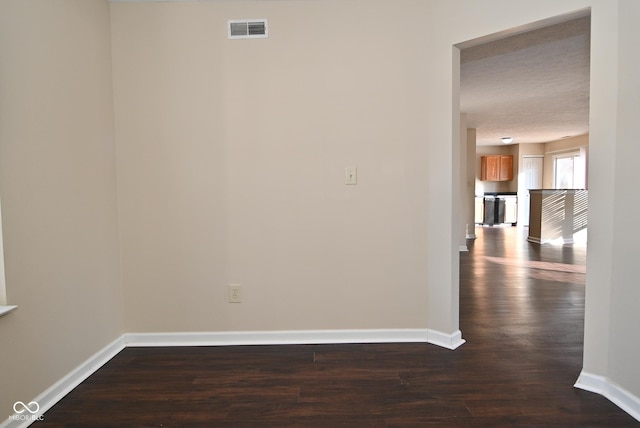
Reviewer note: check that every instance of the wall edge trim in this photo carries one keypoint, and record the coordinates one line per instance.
(295, 337)
(450, 341)
(67, 383)
(284, 337)
(610, 390)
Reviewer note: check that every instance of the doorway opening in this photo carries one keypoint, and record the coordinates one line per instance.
(525, 96)
(530, 85)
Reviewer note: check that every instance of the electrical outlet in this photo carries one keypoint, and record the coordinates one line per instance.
(235, 293)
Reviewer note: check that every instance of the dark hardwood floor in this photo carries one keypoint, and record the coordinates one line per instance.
(521, 310)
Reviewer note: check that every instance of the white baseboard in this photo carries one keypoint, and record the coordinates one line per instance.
(53, 394)
(463, 248)
(302, 337)
(449, 341)
(612, 391)
(471, 236)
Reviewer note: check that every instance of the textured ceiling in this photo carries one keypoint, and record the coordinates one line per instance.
(532, 86)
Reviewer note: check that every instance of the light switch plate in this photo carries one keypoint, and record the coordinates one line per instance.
(351, 175)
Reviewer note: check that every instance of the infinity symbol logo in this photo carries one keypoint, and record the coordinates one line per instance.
(32, 407)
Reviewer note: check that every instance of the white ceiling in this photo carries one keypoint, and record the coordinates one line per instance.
(532, 86)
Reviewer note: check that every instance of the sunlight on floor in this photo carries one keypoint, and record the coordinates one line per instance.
(531, 264)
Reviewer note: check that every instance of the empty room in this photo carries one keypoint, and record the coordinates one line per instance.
(232, 213)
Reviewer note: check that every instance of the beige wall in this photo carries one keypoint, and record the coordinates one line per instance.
(605, 32)
(467, 182)
(624, 351)
(231, 160)
(58, 188)
(471, 179)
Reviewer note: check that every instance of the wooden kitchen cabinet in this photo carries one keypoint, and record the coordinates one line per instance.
(496, 168)
(506, 168)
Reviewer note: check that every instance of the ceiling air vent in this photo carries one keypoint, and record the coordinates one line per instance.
(248, 29)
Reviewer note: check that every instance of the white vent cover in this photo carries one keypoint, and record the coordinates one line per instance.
(248, 29)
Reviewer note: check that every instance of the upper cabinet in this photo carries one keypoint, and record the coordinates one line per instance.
(506, 168)
(496, 168)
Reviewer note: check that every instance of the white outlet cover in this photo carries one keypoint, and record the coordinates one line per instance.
(235, 293)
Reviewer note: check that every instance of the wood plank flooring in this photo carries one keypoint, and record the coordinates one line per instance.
(521, 310)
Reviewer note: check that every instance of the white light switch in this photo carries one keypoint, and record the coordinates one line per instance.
(351, 175)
